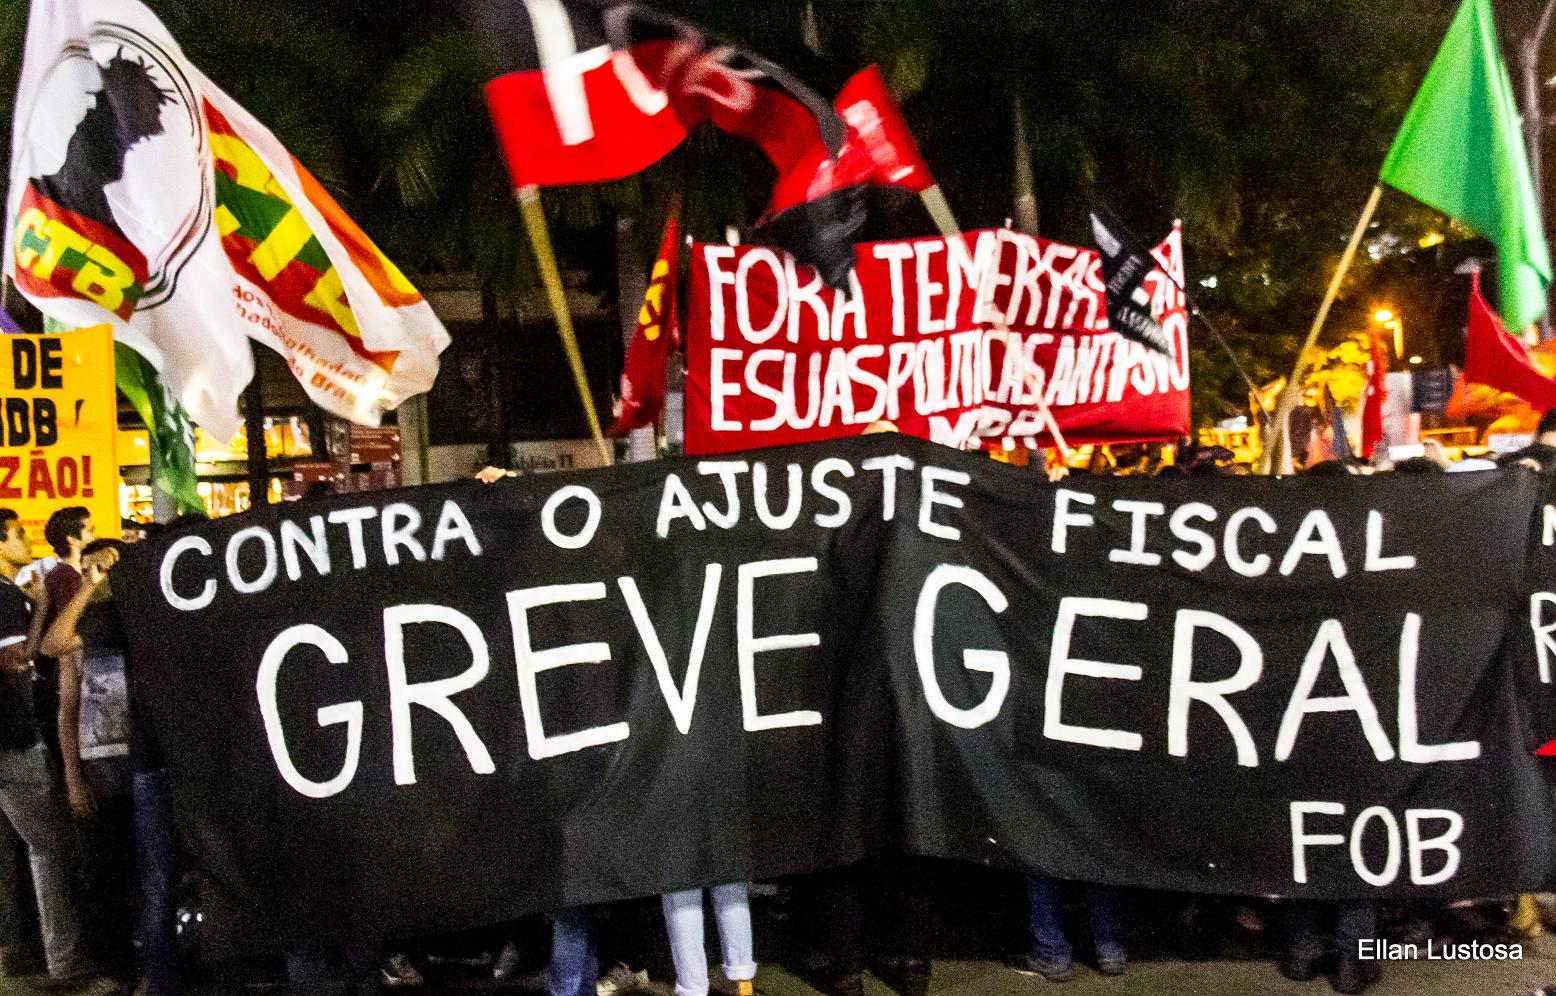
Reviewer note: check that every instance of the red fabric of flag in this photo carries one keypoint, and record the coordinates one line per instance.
(1496, 359)
(1377, 391)
(879, 150)
(586, 122)
(643, 374)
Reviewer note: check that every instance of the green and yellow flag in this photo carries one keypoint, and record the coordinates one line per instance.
(1461, 150)
(170, 432)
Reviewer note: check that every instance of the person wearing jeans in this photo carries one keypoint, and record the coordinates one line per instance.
(683, 921)
(1052, 956)
(29, 792)
(157, 852)
(574, 969)
(30, 800)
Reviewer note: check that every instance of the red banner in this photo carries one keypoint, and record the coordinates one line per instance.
(643, 374)
(950, 340)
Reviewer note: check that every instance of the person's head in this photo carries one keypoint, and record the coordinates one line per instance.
(131, 531)
(68, 531)
(103, 543)
(15, 551)
(1328, 468)
(1545, 432)
(1418, 465)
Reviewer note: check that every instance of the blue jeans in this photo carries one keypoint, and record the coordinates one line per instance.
(29, 800)
(158, 856)
(574, 969)
(1049, 944)
(308, 973)
(683, 921)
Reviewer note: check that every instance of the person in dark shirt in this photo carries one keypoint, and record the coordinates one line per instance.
(29, 795)
(1539, 455)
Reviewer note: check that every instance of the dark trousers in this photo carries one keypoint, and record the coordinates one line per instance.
(308, 972)
(157, 864)
(882, 899)
(1308, 927)
(107, 853)
(1103, 910)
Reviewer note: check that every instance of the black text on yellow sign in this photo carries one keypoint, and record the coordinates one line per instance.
(58, 427)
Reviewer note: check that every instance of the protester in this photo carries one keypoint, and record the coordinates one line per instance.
(1540, 454)
(574, 967)
(88, 642)
(21, 949)
(871, 915)
(156, 848)
(1308, 941)
(1052, 956)
(29, 792)
(68, 531)
(683, 921)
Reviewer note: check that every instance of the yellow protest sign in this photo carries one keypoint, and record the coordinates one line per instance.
(59, 420)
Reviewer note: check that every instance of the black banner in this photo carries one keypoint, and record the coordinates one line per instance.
(453, 705)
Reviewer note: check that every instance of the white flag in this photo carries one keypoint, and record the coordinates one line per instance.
(144, 196)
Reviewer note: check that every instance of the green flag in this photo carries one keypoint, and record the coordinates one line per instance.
(1461, 150)
(169, 429)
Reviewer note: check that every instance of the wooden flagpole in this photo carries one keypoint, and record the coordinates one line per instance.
(1277, 455)
(940, 211)
(545, 259)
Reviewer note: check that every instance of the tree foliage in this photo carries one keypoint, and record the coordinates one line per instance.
(1260, 123)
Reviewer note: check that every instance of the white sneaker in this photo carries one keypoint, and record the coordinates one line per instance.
(507, 965)
(398, 972)
(620, 979)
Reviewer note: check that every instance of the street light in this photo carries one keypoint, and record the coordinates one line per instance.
(1388, 320)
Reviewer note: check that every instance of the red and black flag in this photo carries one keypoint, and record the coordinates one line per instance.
(822, 192)
(643, 374)
(593, 90)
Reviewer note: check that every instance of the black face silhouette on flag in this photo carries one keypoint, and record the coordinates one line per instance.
(127, 110)
(1125, 264)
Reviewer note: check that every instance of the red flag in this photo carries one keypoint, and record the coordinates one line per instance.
(594, 90)
(879, 150)
(820, 201)
(1496, 359)
(1377, 391)
(643, 374)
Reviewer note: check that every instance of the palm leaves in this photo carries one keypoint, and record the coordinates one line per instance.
(1261, 124)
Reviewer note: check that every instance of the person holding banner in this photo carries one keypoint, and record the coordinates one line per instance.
(1052, 956)
(1306, 940)
(28, 789)
(683, 921)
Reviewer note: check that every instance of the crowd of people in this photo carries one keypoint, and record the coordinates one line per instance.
(90, 867)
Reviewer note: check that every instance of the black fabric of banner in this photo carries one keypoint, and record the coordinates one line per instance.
(941, 664)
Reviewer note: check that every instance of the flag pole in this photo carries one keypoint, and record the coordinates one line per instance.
(545, 259)
(1277, 456)
(940, 212)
